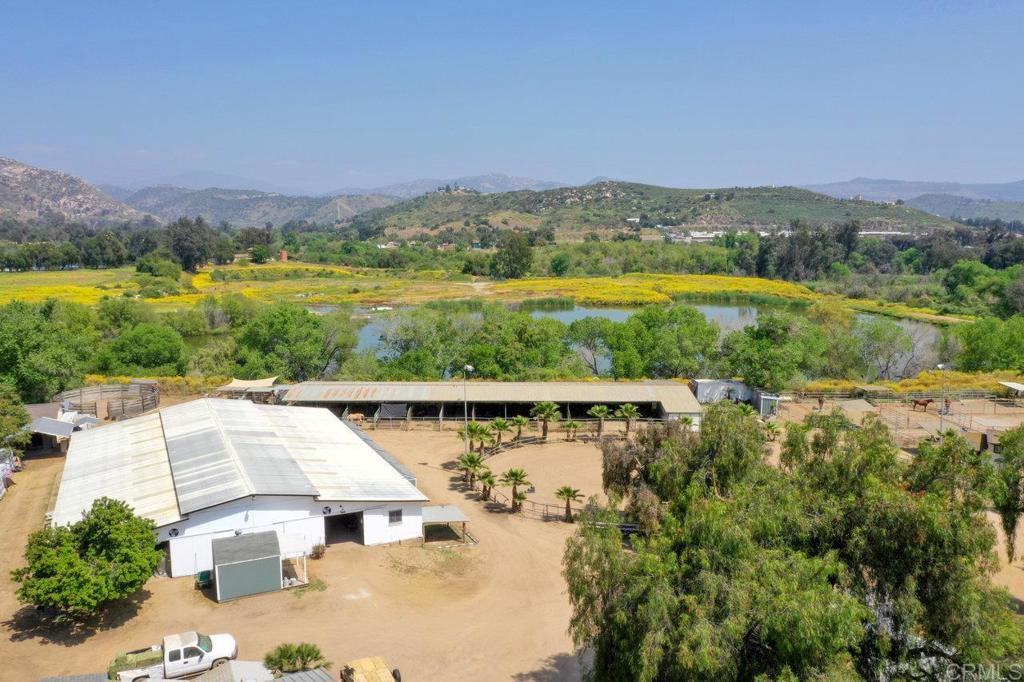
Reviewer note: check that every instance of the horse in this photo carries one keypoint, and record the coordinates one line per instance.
(923, 403)
(821, 403)
(356, 417)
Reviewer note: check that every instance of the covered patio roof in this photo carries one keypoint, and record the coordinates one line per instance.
(443, 513)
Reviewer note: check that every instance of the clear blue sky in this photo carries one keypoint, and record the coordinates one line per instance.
(331, 94)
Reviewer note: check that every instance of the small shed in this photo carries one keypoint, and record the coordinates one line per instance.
(246, 564)
(444, 514)
(715, 390)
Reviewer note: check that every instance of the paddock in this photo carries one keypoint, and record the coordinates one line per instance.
(454, 401)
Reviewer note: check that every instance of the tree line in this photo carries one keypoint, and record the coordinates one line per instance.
(843, 562)
(50, 346)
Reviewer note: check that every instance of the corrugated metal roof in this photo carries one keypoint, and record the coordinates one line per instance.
(125, 460)
(237, 671)
(210, 451)
(673, 396)
(221, 450)
(51, 427)
(443, 513)
(338, 462)
(318, 675)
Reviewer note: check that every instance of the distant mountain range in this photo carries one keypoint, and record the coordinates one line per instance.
(614, 205)
(964, 207)
(492, 183)
(951, 199)
(891, 190)
(29, 193)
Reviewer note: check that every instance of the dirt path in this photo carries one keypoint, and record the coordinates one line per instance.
(494, 611)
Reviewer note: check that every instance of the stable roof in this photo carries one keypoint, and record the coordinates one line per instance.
(674, 397)
(1013, 386)
(51, 427)
(207, 452)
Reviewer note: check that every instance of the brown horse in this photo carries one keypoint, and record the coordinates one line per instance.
(922, 403)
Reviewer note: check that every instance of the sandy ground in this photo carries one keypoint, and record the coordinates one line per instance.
(550, 467)
(492, 611)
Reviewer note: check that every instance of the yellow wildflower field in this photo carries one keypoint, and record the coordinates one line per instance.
(311, 284)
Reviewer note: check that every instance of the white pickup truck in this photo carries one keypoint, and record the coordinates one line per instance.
(182, 655)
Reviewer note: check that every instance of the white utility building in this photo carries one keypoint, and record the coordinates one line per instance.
(213, 468)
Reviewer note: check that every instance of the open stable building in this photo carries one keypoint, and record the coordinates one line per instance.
(450, 400)
(214, 468)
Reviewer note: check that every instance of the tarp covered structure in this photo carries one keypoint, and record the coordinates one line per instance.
(247, 384)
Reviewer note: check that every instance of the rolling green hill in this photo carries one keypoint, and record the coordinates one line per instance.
(964, 207)
(249, 207)
(609, 205)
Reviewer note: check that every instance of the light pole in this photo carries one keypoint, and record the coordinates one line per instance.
(942, 408)
(465, 410)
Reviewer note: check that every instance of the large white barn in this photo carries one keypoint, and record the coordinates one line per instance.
(213, 468)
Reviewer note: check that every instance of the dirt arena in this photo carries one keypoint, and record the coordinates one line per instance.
(492, 611)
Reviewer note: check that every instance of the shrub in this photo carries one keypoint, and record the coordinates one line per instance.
(80, 569)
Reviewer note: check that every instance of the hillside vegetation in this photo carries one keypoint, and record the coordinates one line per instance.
(608, 205)
(965, 207)
(30, 193)
(250, 207)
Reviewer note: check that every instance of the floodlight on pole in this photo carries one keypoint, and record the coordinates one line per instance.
(942, 367)
(466, 369)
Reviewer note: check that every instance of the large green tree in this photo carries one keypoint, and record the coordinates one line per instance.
(775, 351)
(513, 258)
(147, 348)
(79, 569)
(289, 341)
(13, 418)
(44, 348)
(852, 565)
(191, 241)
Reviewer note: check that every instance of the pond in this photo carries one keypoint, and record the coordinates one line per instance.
(728, 317)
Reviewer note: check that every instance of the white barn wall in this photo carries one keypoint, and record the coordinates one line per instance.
(191, 550)
(377, 530)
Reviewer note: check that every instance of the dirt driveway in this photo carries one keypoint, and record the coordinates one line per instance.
(493, 611)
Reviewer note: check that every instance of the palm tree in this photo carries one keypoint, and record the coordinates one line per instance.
(515, 478)
(519, 421)
(471, 464)
(484, 436)
(747, 410)
(570, 495)
(500, 425)
(293, 658)
(546, 412)
(487, 483)
(601, 412)
(474, 431)
(571, 427)
(629, 412)
(771, 431)
(687, 423)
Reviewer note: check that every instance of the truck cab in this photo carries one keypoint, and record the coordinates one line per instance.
(191, 652)
(181, 655)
